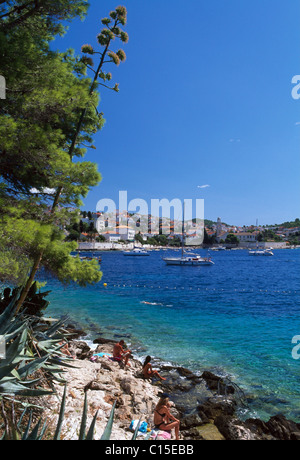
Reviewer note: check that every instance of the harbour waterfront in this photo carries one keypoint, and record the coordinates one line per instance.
(237, 318)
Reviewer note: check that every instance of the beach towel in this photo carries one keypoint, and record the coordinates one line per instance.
(100, 355)
(160, 435)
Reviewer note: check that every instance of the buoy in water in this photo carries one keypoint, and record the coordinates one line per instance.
(104, 284)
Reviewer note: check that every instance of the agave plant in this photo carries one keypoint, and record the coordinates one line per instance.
(40, 428)
(39, 431)
(33, 356)
(31, 346)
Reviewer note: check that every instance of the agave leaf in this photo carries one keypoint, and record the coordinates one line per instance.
(32, 367)
(43, 431)
(26, 432)
(13, 387)
(15, 329)
(6, 370)
(25, 405)
(83, 420)
(46, 344)
(59, 380)
(30, 382)
(56, 326)
(34, 393)
(21, 417)
(15, 373)
(136, 431)
(7, 379)
(15, 434)
(64, 362)
(90, 434)
(107, 432)
(61, 416)
(15, 349)
(53, 369)
(33, 436)
(9, 312)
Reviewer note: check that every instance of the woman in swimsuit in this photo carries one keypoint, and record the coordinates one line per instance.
(148, 372)
(162, 417)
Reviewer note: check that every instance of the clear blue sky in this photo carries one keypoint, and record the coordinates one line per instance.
(205, 99)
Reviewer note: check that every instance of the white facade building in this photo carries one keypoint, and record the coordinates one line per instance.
(247, 237)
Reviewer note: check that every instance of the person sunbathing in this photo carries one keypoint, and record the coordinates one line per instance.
(148, 371)
(119, 354)
(163, 417)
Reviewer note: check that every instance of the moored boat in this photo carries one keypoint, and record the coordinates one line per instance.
(190, 259)
(136, 252)
(261, 252)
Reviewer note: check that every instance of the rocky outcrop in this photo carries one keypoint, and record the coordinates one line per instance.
(278, 427)
(105, 382)
(206, 405)
(217, 383)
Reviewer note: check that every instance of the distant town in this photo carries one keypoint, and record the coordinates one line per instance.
(122, 228)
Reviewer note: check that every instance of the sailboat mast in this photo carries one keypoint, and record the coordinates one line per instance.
(183, 235)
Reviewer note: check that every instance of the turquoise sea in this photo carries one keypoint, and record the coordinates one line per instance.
(236, 318)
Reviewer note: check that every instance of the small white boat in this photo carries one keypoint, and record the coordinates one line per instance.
(190, 259)
(136, 252)
(261, 252)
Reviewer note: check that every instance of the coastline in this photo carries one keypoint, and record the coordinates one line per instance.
(206, 404)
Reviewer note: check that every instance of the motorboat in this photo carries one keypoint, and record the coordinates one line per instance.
(136, 252)
(261, 252)
(188, 259)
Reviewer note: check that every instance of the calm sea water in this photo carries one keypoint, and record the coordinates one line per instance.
(237, 317)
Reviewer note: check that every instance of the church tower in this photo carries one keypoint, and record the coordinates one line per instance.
(219, 227)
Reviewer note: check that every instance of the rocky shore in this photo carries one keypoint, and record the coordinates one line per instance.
(206, 405)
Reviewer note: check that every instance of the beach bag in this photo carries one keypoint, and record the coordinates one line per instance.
(143, 426)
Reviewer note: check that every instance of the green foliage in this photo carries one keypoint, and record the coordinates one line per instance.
(107, 432)
(291, 224)
(50, 13)
(268, 235)
(37, 434)
(232, 239)
(139, 238)
(38, 119)
(32, 347)
(35, 303)
(209, 240)
(47, 121)
(176, 242)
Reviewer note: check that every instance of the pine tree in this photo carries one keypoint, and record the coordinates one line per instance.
(46, 121)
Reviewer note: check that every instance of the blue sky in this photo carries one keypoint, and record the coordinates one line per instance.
(205, 99)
